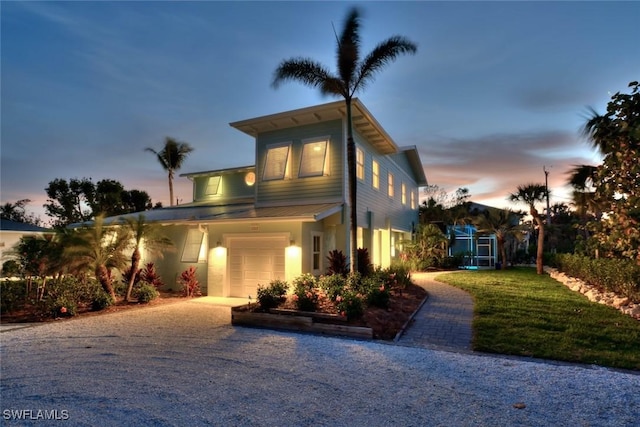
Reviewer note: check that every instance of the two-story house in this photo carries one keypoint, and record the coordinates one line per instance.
(281, 217)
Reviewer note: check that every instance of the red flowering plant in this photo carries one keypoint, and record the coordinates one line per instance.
(306, 294)
(189, 282)
(350, 304)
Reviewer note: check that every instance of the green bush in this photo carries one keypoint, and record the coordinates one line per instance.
(379, 297)
(305, 292)
(13, 294)
(271, 296)
(146, 292)
(350, 305)
(332, 285)
(101, 300)
(619, 276)
(11, 268)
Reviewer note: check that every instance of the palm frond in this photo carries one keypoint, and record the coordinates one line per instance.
(348, 49)
(304, 70)
(383, 54)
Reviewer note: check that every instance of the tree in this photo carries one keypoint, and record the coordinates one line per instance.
(82, 200)
(17, 212)
(39, 256)
(171, 157)
(99, 249)
(616, 135)
(69, 202)
(352, 75)
(428, 249)
(145, 233)
(530, 194)
(503, 224)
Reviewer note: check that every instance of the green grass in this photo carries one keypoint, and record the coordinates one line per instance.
(518, 312)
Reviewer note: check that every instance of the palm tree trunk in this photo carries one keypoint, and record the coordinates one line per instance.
(135, 265)
(102, 274)
(351, 168)
(503, 253)
(540, 252)
(170, 187)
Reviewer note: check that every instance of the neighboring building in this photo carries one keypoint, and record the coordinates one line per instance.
(281, 217)
(12, 231)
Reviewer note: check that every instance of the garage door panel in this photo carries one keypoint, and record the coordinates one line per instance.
(253, 262)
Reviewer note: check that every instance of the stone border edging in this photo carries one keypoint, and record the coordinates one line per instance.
(624, 304)
(406, 324)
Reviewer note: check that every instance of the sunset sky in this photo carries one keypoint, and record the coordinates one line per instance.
(496, 91)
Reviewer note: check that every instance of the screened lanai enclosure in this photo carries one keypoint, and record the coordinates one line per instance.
(478, 250)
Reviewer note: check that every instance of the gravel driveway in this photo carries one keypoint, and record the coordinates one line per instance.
(183, 364)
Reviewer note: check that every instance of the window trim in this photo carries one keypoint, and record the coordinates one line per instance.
(208, 192)
(375, 174)
(404, 193)
(286, 170)
(390, 185)
(194, 239)
(325, 159)
(314, 235)
(360, 164)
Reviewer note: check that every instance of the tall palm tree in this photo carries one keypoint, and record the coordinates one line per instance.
(352, 75)
(503, 224)
(530, 194)
(171, 157)
(145, 233)
(99, 249)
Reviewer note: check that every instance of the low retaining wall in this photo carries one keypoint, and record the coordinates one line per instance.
(623, 304)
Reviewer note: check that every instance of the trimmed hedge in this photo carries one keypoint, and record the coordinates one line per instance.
(619, 276)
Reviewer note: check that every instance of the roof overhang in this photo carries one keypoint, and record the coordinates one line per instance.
(226, 171)
(363, 122)
(413, 157)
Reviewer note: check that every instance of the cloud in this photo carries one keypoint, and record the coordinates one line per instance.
(493, 166)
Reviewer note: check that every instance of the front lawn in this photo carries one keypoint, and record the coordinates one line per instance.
(518, 312)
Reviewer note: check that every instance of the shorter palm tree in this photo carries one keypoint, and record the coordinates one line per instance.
(99, 249)
(171, 157)
(504, 224)
(148, 234)
(530, 194)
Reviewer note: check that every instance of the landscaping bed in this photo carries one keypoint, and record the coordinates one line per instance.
(375, 322)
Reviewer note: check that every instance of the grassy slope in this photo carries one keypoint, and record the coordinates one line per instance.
(518, 312)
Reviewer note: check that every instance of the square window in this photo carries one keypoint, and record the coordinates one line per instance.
(213, 184)
(277, 162)
(375, 168)
(390, 184)
(313, 159)
(359, 163)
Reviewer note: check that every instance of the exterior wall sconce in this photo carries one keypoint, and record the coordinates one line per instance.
(292, 242)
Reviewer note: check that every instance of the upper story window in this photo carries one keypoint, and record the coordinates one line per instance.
(375, 168)
(213, 186)
(359, 163)
(404, 194)
(313, 161)
(276, 165)
(390, 184)
(413, 200)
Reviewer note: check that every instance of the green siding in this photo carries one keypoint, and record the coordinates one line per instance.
(232, 186)
(296, 190)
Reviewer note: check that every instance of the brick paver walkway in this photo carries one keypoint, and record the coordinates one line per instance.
(444, 321)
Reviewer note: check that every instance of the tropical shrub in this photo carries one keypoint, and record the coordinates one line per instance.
(332, 285)
(148, 274)
(145, 292)
(272, 295)
(337, 263)
(101, 300)
(305, 292)
(350, 304)
(11, 268)
(189, 282)
(379, 297)
(364, 262)
(14, 293)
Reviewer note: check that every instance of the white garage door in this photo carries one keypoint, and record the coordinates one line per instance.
(254, 261)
